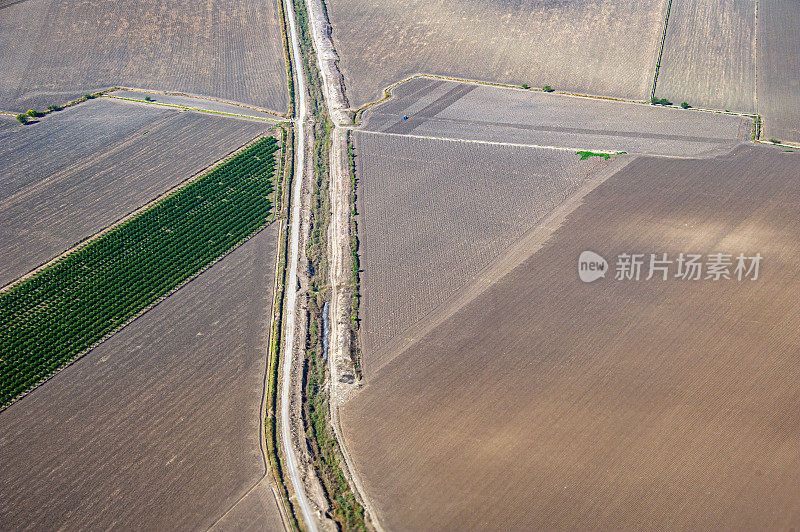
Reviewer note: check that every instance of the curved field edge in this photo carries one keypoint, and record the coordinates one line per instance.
(62, 311)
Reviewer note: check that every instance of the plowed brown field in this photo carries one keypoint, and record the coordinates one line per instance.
(550, 403)
(81, 169)
(56, 51)
(606, 47)
(434, 213)
(158, 427)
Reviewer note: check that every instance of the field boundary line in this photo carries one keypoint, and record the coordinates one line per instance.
(530, 243)
(197, 97)
(84, 98)
(187, 108)
(491, 142)
(755, 64)
(661, 49)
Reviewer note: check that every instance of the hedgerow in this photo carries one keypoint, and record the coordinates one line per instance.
(54, 316)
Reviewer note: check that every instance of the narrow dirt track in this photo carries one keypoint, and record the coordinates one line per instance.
(291, 281)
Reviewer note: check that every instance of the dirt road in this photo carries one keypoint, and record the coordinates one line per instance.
(291, 282)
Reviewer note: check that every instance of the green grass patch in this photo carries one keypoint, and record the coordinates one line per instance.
(586, 154)
(51, 318)
(660, 101)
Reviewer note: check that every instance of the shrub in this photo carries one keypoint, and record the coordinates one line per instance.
(148, 99)
(33, 113)
(526, 86)
(22, 119)
(659, 101)
(685, 105)
(54, 108)
(548, 88)
(586, 154)
(89, 96)
(774, 140)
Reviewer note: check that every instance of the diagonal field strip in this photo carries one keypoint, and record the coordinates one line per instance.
(406, 125)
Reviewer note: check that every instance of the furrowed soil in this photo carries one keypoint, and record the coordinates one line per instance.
(550, 403)
(158, 427)
(599, 47)
(54, 51)
(779, 68)
(434, 213)
(79, 170)
(709, 55)
(444, 109)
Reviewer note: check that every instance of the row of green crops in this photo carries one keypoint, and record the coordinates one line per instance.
(62, 310)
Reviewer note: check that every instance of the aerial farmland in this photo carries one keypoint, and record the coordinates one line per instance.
(365, 265)
(600, 47)
(76, 189)
(54, 52)
(172, 400)
(750, 66)
(548, 403)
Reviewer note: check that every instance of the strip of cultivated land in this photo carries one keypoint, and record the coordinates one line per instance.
(62, 310)
(79, 170)
(434, 213)
(188, 102)
(444, 109)
(605, 47)
(158, 427)
(56, 51)
(779, 68)
(550, 403)
(709, 55)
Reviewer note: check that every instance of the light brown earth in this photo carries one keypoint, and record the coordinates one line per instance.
(779, 68)
(605, 47)
(56, 51)
(157, 428)
(444, 109)
(709, 55)
(550, 403)
(81, 169)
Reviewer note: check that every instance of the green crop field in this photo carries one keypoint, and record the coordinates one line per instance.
(55, 315)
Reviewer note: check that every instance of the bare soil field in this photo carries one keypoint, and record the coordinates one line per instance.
(444, 109)
(78, 170)
(434, 213)
(213, 106)
(599, 47)
(709, 55)
(661, 404)
(779, 68)
(56, 51)
(158, 427)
